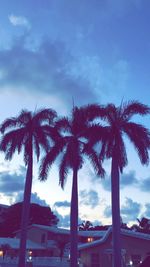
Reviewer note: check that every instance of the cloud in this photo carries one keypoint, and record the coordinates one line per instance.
(147, 210)
(11, 183)
(107, 212)
(34, 199)
(144, 184)
(64, 221)
(130, 210)
(89, 198)
(18, 21)
(42, 70)
(62, 204)
(126, 179)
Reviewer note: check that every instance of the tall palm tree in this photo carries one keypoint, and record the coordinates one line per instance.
(118, 125)
(28, 132)
(72, 146)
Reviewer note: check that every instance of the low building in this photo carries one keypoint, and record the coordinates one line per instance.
(135, 247)
(56, 240)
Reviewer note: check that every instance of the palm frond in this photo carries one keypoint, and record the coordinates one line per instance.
(93, 111)
(45, 114)
(49, 159)
(134, 107)
(24, 118)
(96, 163)
(140, 137)
(8, 124)
(63, 124)
(63, 170)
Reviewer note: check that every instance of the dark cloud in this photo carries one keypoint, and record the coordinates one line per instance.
(62, 204)
(89, 198)
(44, 69)
(130, 210)
(126, 179)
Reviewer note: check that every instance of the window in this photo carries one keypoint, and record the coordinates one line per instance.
(95, 260)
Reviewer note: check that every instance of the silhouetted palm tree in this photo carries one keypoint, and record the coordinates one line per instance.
(72, 145)
(113, 146)
(28, 132)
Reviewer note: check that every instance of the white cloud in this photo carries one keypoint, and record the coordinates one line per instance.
(18, 21)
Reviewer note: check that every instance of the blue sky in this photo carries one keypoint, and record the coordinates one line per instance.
(55, 51)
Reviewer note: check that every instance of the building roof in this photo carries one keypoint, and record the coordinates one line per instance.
(57, 230)
(53, 229)
(92, 233)
(107, 233)
(15, 243)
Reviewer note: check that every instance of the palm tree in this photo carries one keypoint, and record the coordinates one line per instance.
(72, 146)
(28, 132)
(119, 124)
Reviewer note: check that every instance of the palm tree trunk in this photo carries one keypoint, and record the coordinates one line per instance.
(74, 221)
(25, 211)
(115, 198)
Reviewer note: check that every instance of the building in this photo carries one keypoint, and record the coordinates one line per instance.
(135, 247)
(56, 241)
(3, 211)
(95, 247)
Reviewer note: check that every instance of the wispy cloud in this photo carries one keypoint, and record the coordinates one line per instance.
(18, 20)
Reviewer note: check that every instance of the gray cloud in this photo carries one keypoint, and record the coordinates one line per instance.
(89, 198)
(130, 210)
(107, 212)
(44, 69)
(62, 204)
(145, 184)
(126, 179)
(147, 210)
(11, 183)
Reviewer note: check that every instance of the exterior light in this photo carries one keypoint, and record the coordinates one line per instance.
(30, 252)
(131, 263)
(90, 239)
(1, 253)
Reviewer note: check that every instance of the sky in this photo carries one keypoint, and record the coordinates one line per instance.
(54, 53)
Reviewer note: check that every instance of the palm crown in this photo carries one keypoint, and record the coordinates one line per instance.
(27, 126)
(119, 124)
(72, 143)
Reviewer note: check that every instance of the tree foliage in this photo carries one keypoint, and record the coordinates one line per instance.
(38, 215)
